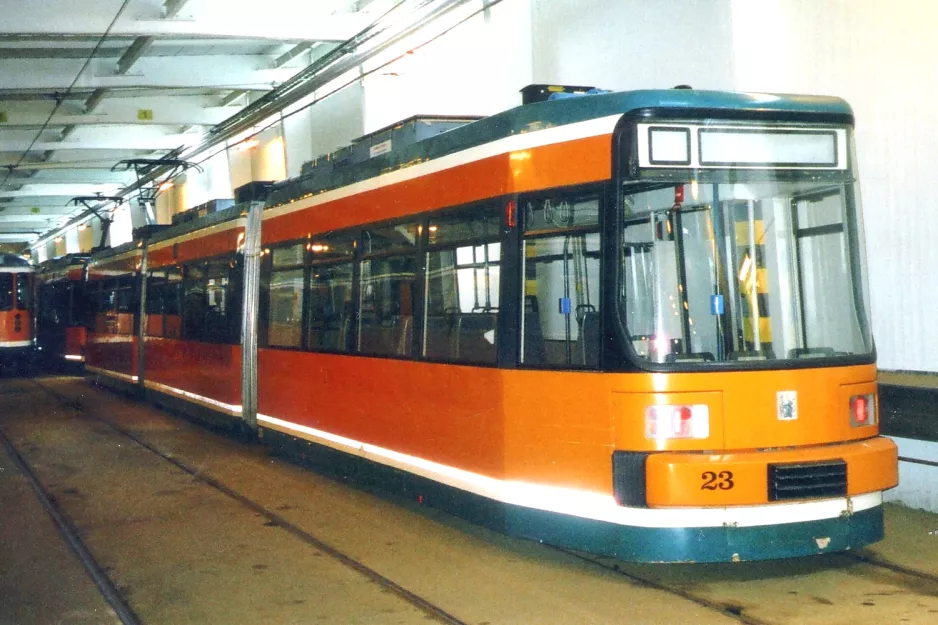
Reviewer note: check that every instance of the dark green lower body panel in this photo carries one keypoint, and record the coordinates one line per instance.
(624, 542)
(699, 544)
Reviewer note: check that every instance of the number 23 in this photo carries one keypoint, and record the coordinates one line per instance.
(712, 480)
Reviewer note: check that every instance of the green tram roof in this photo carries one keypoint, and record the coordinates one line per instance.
(549, 114)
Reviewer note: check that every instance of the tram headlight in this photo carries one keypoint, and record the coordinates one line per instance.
(863, 410)
(664, 422)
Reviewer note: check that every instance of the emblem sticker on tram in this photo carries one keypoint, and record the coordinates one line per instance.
(786, 403)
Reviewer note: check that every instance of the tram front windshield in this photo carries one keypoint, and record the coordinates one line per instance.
(743, 269)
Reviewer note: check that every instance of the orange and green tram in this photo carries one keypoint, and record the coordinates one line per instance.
(635, 323)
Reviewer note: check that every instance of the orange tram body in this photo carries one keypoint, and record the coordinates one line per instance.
(634, 324)
(17, 330)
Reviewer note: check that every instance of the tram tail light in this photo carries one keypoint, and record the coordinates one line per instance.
(669, 422)
(862, 410)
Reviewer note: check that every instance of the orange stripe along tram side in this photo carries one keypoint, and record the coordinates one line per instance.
(632, 323)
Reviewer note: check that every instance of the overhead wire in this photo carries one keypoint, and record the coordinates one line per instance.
(61, 97)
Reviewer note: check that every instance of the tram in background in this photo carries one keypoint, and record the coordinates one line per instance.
(17, 338)
(632, 323)
(63, 309)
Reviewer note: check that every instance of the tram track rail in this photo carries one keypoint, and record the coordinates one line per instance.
(106, 586)
(920, 581)
(429, 608)
(734, 612)
(921, 576)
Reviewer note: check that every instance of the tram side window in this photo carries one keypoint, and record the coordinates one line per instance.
(124, 295)
(154, 304)
(285, 303)
(561, 256)
(463, 274)
(388, 278)
(171, 303)
(6, 291)
(157, 287)
(218, 305)
(206, 301)
(330, 294)
(79, 306)
(194, 302)
(50, 309)
(93, 303)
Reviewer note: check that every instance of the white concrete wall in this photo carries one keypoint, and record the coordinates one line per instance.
(633, 44)
(268, 161)
(195, 188)
(71, 241)
(86, 237)
(122, 225)
(311, 130)
(477, 68)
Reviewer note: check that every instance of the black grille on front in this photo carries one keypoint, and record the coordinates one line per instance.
(807, 480)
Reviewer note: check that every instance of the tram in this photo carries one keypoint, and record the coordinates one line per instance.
(17, 340)
(635, 324)
(63, 309)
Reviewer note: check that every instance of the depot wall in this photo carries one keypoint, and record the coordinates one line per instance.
(633, 44)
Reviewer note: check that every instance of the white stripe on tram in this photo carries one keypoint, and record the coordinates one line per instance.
(580, 503)
(111, 374)
(193, 397)
(15, 343)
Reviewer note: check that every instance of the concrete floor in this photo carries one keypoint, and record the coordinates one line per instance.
(181, 552)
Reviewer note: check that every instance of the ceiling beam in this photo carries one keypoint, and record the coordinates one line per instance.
(44, 95)
(60, 53)
(232, 97)
(21, 237)
(294, 52)
(60, 190)
(66, 132)
(172, 8)
(200, 110)
(164, 72)
(94, 99)
(136, 50)
(95, 142)
(304, 24)
(15, 218)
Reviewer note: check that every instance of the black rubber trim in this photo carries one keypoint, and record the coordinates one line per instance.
(909, 412)
(628, 478)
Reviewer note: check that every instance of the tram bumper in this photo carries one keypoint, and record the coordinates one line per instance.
(769, 477)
